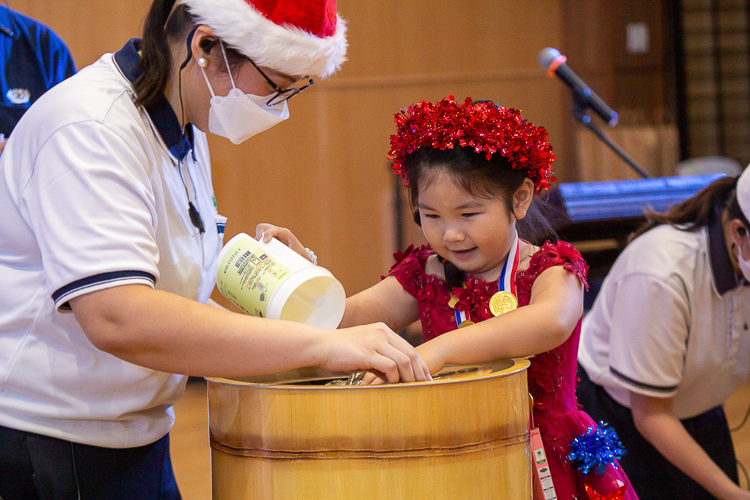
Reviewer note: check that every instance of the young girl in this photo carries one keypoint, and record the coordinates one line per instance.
(480, 291)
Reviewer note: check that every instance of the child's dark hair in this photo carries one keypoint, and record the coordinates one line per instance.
(698, 211)
(162, 27)
(491, 179)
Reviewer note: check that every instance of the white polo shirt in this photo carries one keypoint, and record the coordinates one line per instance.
(670, 321)
(91, 197)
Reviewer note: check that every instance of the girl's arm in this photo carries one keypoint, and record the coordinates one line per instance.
(554, 310)
(166, 332)
(655, 421)
(387, 302)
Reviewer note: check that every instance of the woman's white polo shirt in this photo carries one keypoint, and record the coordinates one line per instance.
(92, 196)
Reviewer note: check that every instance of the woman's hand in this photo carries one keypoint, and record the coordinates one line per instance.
(431, 359)
(374, 347)
(267, 231)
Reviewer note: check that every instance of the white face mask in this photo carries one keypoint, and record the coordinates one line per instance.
(744, 264)
(239, 116)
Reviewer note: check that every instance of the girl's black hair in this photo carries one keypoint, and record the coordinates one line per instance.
(163, 27)
(696, 212)
(492, 179)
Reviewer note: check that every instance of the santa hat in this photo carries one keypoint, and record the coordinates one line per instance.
(295, 37)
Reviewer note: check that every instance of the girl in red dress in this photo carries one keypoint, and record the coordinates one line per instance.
(481, 292)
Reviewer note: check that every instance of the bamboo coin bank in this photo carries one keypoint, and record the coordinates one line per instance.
(303, 435)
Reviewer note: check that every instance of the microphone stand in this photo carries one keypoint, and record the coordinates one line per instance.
(579, 112)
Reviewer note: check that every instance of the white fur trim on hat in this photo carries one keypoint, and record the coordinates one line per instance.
(289, 49)
(743, 192)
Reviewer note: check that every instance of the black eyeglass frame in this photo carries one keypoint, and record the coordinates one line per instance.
(282, 95)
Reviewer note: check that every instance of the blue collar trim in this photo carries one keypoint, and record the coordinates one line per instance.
(161, 113)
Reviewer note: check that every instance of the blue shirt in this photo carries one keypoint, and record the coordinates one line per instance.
(33, 59)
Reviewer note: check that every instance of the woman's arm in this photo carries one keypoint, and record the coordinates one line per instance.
(554, 309)
(166, 332)
(655, 421)
(387, 302)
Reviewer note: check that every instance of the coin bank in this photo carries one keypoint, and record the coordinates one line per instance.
(304, 435)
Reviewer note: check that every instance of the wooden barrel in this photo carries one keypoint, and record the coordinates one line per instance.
(464, 435)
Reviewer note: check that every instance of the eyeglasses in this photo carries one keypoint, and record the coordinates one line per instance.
(282, 95)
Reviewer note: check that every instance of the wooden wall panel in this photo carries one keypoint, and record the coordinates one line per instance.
(636, 85)
(89, 27)
(324, 172)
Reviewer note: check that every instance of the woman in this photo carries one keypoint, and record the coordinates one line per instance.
(109, 239)
(667, 342)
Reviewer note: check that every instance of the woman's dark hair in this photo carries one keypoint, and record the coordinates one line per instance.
(162, 28)
(696, 212)
(491, 179)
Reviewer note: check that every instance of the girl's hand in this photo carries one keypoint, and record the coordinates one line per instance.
(267, 231)
(432, 356)
(372, 378)
(374, 347)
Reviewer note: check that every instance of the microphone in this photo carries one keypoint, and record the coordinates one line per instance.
(195, 217)
(554, 62)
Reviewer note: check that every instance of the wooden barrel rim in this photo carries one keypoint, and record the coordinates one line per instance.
(519, 364)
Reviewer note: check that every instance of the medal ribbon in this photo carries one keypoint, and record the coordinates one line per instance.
(507, 281)
(461, 316)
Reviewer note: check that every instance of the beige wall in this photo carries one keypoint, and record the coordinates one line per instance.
(324, 172)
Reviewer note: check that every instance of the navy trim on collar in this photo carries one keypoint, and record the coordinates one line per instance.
(725, 278)
(161, 113)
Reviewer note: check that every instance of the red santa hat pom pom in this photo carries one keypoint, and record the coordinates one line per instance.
(295, 37)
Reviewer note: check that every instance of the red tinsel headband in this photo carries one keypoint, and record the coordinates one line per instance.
(482, 126)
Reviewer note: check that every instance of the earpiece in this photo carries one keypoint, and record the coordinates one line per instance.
(203, 62)
(207, 44)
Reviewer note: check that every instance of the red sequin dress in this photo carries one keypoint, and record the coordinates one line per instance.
(552, 374)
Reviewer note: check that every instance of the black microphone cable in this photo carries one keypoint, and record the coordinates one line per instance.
(195, 216)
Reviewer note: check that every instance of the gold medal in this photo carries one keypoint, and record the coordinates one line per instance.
(453, 301)
(468, 322)
(502, 302)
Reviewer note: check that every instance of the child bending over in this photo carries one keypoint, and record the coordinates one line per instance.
(481, 292)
